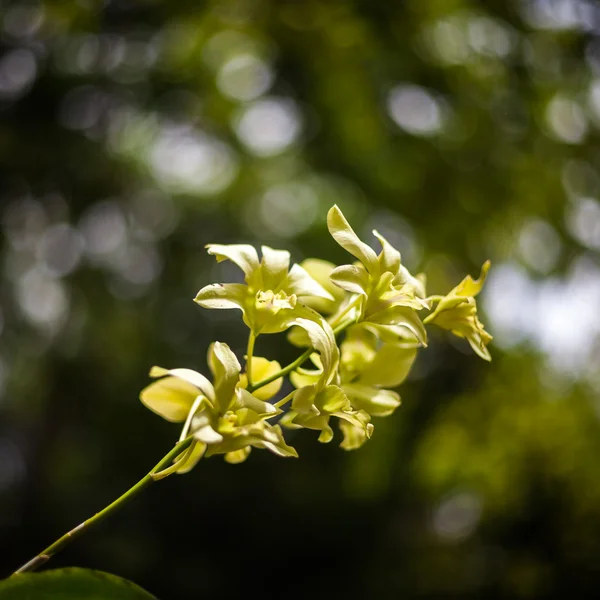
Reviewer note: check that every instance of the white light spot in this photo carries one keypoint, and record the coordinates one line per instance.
(23, 21)
(104, 229)
(140, 265)
(60, 249)
(244, 77)
(457, 516)
(489, 37)
(559, 316)
(269, 126)
(594, 100)
(580, 179)
(508, 298)
(539, 245)
(154, 215)
(288, 210)
(583, 221)
(82, 108)
(42, 300)
(23, 222)
(566, 120)
(17, 73)
(448, 42)
(415, 110)
(187, 161)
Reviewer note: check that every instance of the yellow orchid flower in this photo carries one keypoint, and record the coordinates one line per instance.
(273, 293)
(223, 417)
(457, 312)
(388, 296)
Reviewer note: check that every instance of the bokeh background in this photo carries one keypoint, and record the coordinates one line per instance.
(133, 132)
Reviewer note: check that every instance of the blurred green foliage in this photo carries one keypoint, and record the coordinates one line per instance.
(134, 132)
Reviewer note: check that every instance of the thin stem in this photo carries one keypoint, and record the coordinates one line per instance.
(295, 364)
(59, 544)
(285, 400)
(249, 354)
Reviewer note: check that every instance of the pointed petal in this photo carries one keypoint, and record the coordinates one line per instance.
(320, 270)
(332, 399)
(470, 287)
(222, 295)
(351, 278)
(238, 456)
(344, 235)
(389, 367)
(196, 379)
(208, 435)
(261, 369)
(273, 440)
(417, 284)
(389, 259)
(323, 341)
(326, 434)
(299, 282)
(196, 453)
(401, 317)
(171, 398)
(260, 407)
(226, 370)
(274, 267)
(300, 380)
(303, 401)
(243, 255)
(376, 402)
(354, 437)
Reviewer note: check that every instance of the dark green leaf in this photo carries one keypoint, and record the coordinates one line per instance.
(71, 584)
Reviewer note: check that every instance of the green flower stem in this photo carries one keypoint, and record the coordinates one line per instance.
(249, 354)
(82, 528)
(295, 364)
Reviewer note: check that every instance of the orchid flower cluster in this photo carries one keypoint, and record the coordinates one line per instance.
(375, 303)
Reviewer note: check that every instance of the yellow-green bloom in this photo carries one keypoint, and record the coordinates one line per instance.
(388, 295)
(368, 367)
(273, 293)
(318, 396)
(457, 312)
(320, 271)
(223, 417)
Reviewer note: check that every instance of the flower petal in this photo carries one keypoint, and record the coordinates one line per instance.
(376, 402)
(226, 370)
(470, 287)
(389, 259)
(193, 377)
(332, 399)
(238, 456)
(389, 367)
(416, 284)
(351, 278)
(171, 398)
(299, 282)
(344, 235)
(197, 451)
(260, 407)
(222, 295)
(261, 369)
(354, 436)
(274, 267)
(243, 255)
(401, 317)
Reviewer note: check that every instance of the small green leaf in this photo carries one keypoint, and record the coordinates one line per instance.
(70, 584)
